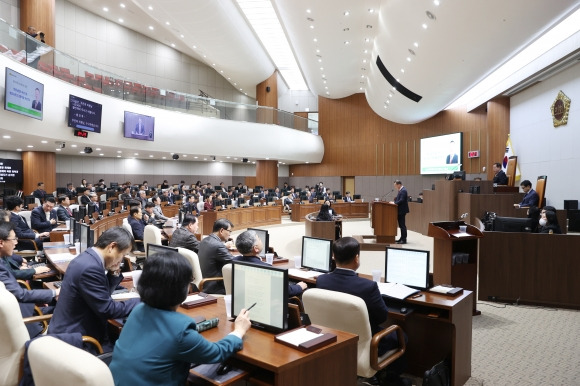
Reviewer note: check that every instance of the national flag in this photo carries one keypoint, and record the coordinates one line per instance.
(509, 152)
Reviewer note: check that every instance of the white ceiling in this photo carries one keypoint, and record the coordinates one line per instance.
(462, 44)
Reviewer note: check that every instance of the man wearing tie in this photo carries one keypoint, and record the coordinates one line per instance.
(531, 198)
(348, 198)
(95, 202)
(402, 209)
(36, 103)
(452, 158)
(63, 212)
(39, 193)
(140, 128)
(21, 228)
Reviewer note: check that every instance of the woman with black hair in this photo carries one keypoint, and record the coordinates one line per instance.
(158, 344)
(549, 223)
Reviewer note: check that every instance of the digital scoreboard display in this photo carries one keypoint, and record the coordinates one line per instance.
(84, 114)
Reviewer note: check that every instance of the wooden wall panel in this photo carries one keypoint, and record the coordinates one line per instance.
(359, 142)
(38, 167)
(268, 98)
(498, 128)
(40, 14)
(267, 173)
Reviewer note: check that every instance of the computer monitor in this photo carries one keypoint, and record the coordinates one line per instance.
(110, 193)
(241, 201)
(356, 197)
(28, 200)
(72, 230)
(407, 266)
(267, 287)
(126, 203)
(512, 224)
(90, 210)
(82, 212)
(459, 175)
(153, 249)
(114, 204)
(265, 237)
(317, 254)
(114, 185)
(85, 237)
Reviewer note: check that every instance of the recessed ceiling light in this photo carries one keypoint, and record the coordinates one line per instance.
(307, 162)
(308, 11)
(118, 156)
(101, 154)
(371, 10)
(365, 51)
(324, 81)
(18, 149)
(408, 58)
(196, 157)
(324, 76)
(204, 56)
(167, 23)
(194, 47)
(319, 60)
(213, 64)
(436, 2)
(362, 76)
(150, 8)
(6, 136)
(416, 44)
(326, 87)
(73, 145)
(229, 78)
(317, 51)
(346, 42)
(311, 26)
(59, 149)
(228, 157)
(119, 151)
(182, 36)
(321, 68)
(222, 71)
(327, 93)
(172, 44)
(136, 154)
(105, 9)
(150, 155)
(235, 84)
(367, 40)
(390, 95)
(314, 40)
(360, 88)
(364, 60)
(43, 141)
(424, 26)
(122, 5)
(151, 28)
(121, 20)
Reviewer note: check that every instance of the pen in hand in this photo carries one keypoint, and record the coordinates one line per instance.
(249, 308)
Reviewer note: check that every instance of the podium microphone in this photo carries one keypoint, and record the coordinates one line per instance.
(384, 198)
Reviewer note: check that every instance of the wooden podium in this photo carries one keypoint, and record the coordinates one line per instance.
(448, 240)
(330, 230)
(384, 221)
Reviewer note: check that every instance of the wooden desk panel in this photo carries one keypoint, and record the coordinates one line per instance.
(243, 217)
(347, 210)
(277, 364)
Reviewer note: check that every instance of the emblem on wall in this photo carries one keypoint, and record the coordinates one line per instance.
(560, 109)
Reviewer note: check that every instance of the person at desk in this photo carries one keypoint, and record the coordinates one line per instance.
(157, 209)
(325, 213)
(148, 214)
(95, 202)
(85, 302)
(137, 225)
(71, 192)
(531, 198)
(26, 298)
(63, 212)
(346, 254)
(23, 231)
(214, 254)
(190, 205)
(40, 193)
(43, 218)
(208, 204)
(499, 177)
(250, 246)
(85, 199)
(347, 197)
(549, 223)
(185, 235)
(158, 344)
(402, 209)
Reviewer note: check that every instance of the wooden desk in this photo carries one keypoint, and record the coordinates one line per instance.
(53, 248)
(347, 210)
(431, 339)
(242, 218)
(330, 230)
(276, 364)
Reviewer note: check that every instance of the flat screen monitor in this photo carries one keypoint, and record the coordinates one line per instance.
(268, 288)
(512, 224)
(317, 254)
(72, 230)
(441, 154)
(82, 212)
(11, 171)
(139, 126)
(90, 210)
(153, 249)
(263, 235)
(407, 266)
(84, 114)
(23, 95)
(85, 237)
(460, 175)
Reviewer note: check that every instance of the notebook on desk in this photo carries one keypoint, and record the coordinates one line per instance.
(397, 291)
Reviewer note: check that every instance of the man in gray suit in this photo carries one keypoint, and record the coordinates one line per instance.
(213, 255)
(185, 236)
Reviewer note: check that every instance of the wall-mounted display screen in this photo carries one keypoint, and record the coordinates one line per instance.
(441, 154)
(10, 171)
(139, 126)
(23, 95)
(84, 114)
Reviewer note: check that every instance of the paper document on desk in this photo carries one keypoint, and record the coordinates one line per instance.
(298, 336)
(303, 274)
(125, 296)
(462, 234)
(61, 257)
(395, 290)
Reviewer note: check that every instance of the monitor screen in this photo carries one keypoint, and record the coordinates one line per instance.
(441, 154)
(11, 171)
(512, 224)
(263, 235)
(84, 114)
(85, 237)
(317, 254)
(23, 95)
(268, 288)
(139, 126)
(407, 266)
(72, 230)
(153, 249)
(28, 200)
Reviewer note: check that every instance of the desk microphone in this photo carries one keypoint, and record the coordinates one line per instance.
(384, 198)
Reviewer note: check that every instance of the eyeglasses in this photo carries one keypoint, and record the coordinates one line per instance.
(13, 239)
(228, 230)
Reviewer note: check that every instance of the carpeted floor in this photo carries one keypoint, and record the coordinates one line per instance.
(512, 345)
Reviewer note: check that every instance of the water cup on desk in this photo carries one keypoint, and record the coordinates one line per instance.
(78, 247)
(377, 275)
(297, 262)
(228, 301)
(66, 238)
(270, 258)
(463, 228)
(136, 275)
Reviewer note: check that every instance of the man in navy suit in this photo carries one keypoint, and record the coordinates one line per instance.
(85, 302)
(40, 193)
(137, 225)
(402, 210)
(26, 298)
(23, 231)
(531, 198)
(346, 253)
(63, 212)
(452, 157)
(213, 255)
(40, 221)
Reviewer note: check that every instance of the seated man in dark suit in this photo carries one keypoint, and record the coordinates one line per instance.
(21, 228)
(71, 192)
(185, 235)
(63, 213)
(137, 225)
(213, 255)
(531, 198)
(499, 176)
(85, 302)
(43, 218)
(85, 199)
(40, 193)
(344, 278)
(250, 246)
(26, 299)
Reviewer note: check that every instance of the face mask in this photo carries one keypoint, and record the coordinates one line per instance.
(543, 222)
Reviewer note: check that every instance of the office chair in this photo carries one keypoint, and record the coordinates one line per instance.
(328, 308)
(151, 235)
(128, 228)
(75, 366)
(198, 279)
(227, 274)
(541, 189)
